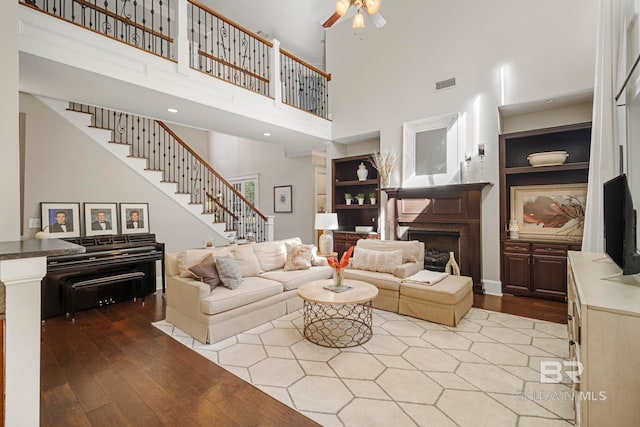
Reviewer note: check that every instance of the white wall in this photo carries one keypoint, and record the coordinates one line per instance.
(64, 165)
(197, 139)
(9, 146)
(500, 52)
(236, 157)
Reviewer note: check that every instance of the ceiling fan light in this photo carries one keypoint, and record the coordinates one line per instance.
(342, 6)
(358, 21)
(373, 6)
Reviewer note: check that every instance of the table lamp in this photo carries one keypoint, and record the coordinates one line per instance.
(326, 222)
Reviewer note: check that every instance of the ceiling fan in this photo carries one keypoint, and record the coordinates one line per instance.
(370, 6)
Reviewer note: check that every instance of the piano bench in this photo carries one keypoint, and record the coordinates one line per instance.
(76, 283)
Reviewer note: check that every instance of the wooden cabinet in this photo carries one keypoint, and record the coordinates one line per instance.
(342, 240)
(344, 178)
(537, 267)
(603, 325)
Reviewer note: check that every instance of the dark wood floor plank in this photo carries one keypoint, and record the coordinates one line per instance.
(107, 415)
(60, 407)
(551, 311)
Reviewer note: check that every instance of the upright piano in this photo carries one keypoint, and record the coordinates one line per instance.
(104, 255)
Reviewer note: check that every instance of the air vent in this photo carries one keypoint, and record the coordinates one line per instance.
(443, 84)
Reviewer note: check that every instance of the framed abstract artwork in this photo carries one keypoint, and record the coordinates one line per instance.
(549, 211)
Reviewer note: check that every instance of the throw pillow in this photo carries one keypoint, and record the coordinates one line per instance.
(298, 256)
(229, 272)
(246, 259)
(381, 261)
(206, 271)
(189, 258)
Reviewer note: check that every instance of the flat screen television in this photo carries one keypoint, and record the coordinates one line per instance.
(620, 225)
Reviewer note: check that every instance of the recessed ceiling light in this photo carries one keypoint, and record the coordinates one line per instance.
(172, 110)
(267, 134)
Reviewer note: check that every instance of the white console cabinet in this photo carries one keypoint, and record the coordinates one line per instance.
(604, 334)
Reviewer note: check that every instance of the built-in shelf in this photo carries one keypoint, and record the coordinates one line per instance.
(543, 169)
(356, 183)
(357, 206)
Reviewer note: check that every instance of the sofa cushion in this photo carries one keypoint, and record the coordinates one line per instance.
(373, 260)
(249, 265)
(271, 255)
(299, 256)
(449, 290)
(292, 279)
(411, 250)
(206, 271)
(251, 290)
(190, 257)
(380, 280)
(229, 272)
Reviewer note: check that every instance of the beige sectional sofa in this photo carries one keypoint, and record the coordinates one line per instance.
(266, 293)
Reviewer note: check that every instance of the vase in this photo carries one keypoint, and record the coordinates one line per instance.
(452, 266)
(337, 277)
(361, 201)
(362, 172)
(373, 201)
(348, 201)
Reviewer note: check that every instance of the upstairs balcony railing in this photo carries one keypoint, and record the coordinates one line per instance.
(217, 46)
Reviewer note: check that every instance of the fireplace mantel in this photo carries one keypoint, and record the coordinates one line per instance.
(456, 208)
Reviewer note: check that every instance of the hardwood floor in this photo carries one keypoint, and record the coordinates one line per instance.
(552, 311)
(112, 367)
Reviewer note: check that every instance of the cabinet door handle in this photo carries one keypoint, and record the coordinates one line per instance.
(570, 317)
(572, 342)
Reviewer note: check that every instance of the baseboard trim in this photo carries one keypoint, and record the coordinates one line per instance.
(492, 287)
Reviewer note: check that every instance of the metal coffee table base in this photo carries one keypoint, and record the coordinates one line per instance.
(338, 326)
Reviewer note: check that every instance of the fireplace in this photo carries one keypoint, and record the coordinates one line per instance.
(437, 245)
(447, 218)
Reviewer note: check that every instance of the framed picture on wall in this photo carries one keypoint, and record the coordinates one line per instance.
(60, 219)
(100, 219)
(282, 199)
(134, 218)
(549, 211)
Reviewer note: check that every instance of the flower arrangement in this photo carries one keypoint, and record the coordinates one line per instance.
(339, 265)
(384, 163)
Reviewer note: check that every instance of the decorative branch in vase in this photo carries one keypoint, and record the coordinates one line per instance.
(384, 163)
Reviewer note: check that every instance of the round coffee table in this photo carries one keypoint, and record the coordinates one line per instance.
(337, 319)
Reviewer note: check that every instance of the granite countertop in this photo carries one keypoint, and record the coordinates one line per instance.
(32, 249)
(37, 248)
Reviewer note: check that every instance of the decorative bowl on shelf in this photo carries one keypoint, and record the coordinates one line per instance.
(547, 158)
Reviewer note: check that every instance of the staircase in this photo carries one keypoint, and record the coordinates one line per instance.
(153, 150)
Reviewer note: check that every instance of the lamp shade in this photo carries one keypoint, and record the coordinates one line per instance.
(358, 21)
(373, 6)
(342, 6)
(326, 221)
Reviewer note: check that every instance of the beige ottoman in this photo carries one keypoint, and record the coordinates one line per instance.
(445, 302)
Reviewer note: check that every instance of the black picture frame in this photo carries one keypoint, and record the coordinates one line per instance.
(282, 199)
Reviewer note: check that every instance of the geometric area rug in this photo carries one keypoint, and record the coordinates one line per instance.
(484, 372)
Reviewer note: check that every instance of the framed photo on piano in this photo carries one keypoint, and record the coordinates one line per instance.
(60, 219)
(134, 217)
(100, 219)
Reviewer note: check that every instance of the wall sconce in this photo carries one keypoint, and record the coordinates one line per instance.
(514, 229)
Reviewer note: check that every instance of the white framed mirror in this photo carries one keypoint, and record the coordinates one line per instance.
(430, 151)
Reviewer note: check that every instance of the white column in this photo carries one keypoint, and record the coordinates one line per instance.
(275, 87)
(182, 41)
(269, 227)
(21, 278)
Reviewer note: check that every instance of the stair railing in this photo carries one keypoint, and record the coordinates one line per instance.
(166, 152)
